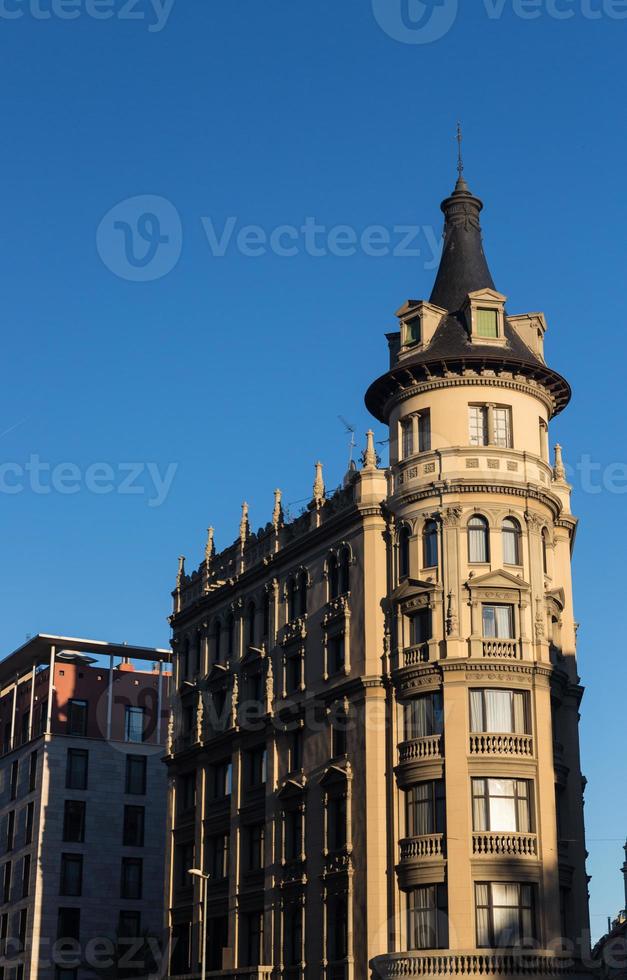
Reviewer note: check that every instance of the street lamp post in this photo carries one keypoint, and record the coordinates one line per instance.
(197, 873)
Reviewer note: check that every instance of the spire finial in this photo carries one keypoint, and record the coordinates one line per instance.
(369, 456)
(460, 151)
(318, 487)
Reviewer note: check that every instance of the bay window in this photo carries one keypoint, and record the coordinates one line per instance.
(498, 622)
(505, 914)
(497, 711)
(427, 917)
(424, 716)
(502, 805)
(425, 809)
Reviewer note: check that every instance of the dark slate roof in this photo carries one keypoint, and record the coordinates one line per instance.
(463, 269)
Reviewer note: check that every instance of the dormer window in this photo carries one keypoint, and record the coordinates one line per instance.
(412, 332)
(487, 323)
(485, 316)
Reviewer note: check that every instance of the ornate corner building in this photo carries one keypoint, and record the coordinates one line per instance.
(374, 752)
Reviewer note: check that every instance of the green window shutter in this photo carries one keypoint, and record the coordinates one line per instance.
(487, 323)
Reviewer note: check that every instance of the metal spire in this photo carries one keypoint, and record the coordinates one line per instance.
(460, 151)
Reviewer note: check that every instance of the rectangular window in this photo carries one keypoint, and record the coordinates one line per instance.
(420, 627)
(222, 780)
(74, 821)
(503, 427)
(22, 923)
(132, 873)
(219, 847)
(6, 882)
(30, 819)
(255, 836)
(293, 672)
(487, 323)
(69, 924)
(337, 823)
(505, 914)
(498, 622)
(502, 805)
(337, 928)
(256, 763)
(184, 860)
(424, 431)
(253, 938)
(501, 712)
(478, 424)
(24, 726)
(295, 751)
(76, 717)
(25, 875)
(42, 717)
(217, 940)
(14, 775)
(336, 653)
(10, 830)
(186, 792)
(134, 724)
(32, 772)
(129, 925)
(412, 332)
(71, 875)
(427, 917)
(292, 935)
(425, 809)
(4, 932)
(134, 819)
(135, 783)
(407, 431)
(424, 716)
(293, 824)
(76, 770)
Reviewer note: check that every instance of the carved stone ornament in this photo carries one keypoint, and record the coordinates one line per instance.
(170, 742)
(451, 516)
(539, 623)
(534, 521)
(200, 718)
(451, 615)
(234, 698)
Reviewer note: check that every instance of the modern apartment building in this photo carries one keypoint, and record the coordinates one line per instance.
(82, 805)
(374, 750)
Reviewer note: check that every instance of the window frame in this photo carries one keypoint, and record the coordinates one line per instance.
(491, 938)
(522, 801)
(77, 708)
(478, 555)
(134, 760)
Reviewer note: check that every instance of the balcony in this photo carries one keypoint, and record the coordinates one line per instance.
(417, 757)
(503, 649)
(415, 655)
(490, 844)
(510, 745)
(422, 848)
(506, 963)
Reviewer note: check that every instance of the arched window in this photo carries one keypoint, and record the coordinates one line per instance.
(217, 641)
(478, 540)
(291, 599)
(345, 561)
(545, 550)
(403, 552)
(230, 635)
(511, 541)
(334, 577)
(430, 544)
(303, 582)
(251, 613)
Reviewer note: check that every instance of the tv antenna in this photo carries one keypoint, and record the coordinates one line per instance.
(349, 429)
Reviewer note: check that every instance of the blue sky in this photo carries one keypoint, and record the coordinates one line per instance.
(227, 373)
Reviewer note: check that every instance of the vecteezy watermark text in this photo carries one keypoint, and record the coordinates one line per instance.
(427, 21)
(141, 239)
(39, 477)
(155, 13)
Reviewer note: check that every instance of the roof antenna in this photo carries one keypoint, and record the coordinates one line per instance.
(349, 429)
(460, 154)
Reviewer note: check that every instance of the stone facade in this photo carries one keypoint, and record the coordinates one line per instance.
(373, 748)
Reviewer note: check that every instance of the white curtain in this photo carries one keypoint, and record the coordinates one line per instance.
(483, 915)
(506, 905)
(498, 711)
(422, 918)
(476, 711)
(510, 543)
(502, 805)
(478, 540)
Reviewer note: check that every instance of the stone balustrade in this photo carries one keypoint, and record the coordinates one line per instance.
(511, 963)
(418, 654)
(505, 649)
(417, 749)
(416, 848)
(491, 843)
(508, 745)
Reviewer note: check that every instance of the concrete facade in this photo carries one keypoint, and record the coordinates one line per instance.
(62, 709)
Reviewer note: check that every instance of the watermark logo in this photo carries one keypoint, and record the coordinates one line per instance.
(140, 239)
(155, 13)
(416, 21)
